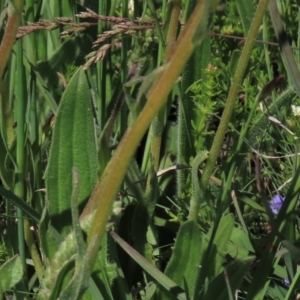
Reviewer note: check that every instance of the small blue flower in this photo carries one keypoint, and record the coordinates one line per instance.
(276, 203)
(286, 282)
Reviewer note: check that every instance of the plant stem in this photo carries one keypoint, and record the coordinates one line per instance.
(157, 125)
(173, 26)
(15, 8)
(19, 188)
(102, 199)
(235, 86)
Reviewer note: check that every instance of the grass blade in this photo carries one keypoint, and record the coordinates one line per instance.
(285, 48)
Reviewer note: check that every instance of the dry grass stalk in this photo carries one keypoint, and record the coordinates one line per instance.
(120, 26)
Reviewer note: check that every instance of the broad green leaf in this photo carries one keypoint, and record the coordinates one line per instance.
(11, 272)
(235, 274)
(80, 279)
(73, 145)
(185, 263)
(221, 239)
(240, 245)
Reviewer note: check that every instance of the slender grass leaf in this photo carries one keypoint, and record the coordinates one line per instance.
(197, 194)
(293, 287)
(234, 61)
(192, 72)
(259, 282)
(7, 128)
(62, 275)
(285, 48)
(262, 121)
(43, 221)
(246, 11)
(95, 290)
(161, 278)
(20, 203)
(6, 174)
(49, 238)
(253, 204)
(142, 232)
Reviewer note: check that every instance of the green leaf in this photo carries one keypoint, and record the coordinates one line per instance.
(73, 145)
(253, 204)
(234, 59)
(192, 72)
(6, 172)
(287, 54)
(217, 288)
(161, 278)
(197, 195)
(7, 121)
(49, 238)
(63, 274)
(106, 268)
(221, 239)
(246, 11)
(204, 23)
(185, 263)
(262, 121)
(11, 273)
(20, 203)
(105, 273)
(241, 244)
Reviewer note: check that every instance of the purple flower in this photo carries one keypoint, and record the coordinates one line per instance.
(286, 282)
(276, 203)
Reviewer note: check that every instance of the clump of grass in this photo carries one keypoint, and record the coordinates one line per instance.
(231, 230)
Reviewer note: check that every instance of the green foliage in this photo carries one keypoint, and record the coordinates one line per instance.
(205, 94)
(11, 273)
(162, 142)
(73, 145)
(3, 253)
